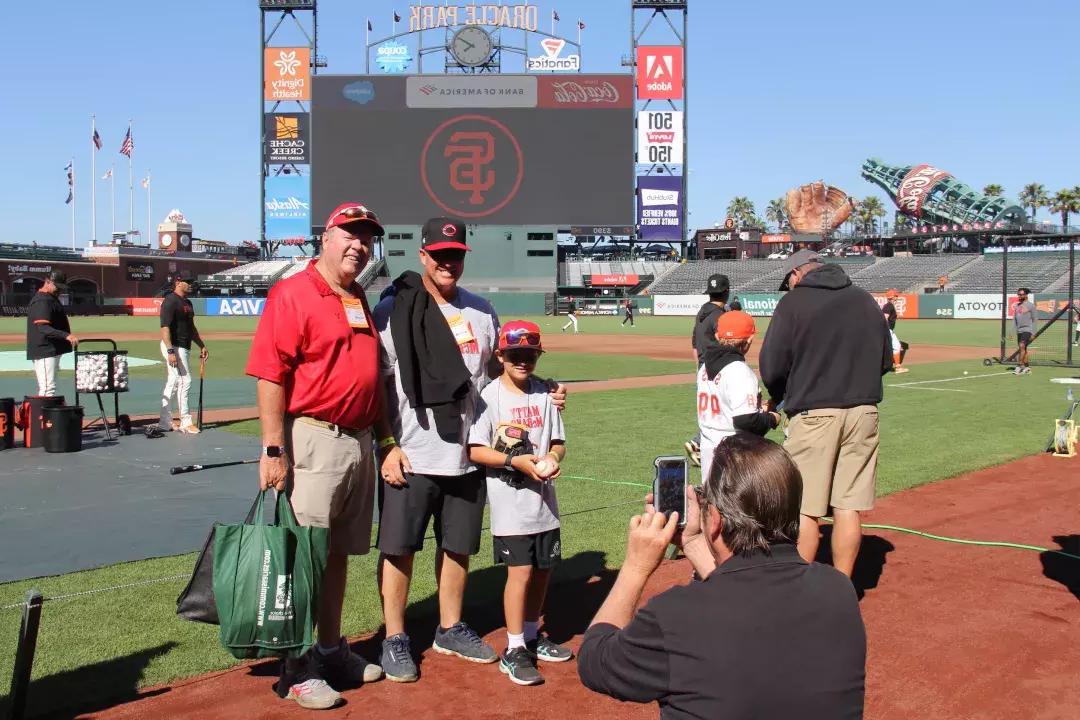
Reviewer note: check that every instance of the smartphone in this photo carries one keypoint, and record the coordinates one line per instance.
(669, 485)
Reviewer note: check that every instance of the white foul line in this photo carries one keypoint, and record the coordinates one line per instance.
(962, 377)
(908, 387)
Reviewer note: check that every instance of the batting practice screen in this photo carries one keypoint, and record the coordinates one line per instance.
(491, 149)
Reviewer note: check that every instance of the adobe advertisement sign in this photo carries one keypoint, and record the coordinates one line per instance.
(491, 149)
(659, 72)
(916, 187)
(660, 137)
(614, 280)
(286, 137)
(659, 200)
(286, 73)
(287, 209)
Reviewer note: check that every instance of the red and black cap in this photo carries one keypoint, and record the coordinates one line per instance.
(351, 212)
(443, 233)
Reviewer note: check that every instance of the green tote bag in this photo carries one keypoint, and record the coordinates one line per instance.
(266, 583)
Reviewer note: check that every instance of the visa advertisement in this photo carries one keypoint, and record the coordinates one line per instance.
(235, 306)
(287, 208)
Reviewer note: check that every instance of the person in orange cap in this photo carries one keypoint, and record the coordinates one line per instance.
(899, 347)
(728, 399)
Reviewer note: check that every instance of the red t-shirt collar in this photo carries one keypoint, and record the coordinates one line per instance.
(320, 283)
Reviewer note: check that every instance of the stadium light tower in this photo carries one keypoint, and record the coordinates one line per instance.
(662, 142)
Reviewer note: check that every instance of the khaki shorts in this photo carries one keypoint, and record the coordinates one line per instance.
(836, 453)
(332, 484)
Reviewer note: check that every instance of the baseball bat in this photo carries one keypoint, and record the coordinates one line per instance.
(202, 375)
(181, 469)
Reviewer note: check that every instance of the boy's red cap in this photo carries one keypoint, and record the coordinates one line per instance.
(520, 334)
(735, 325)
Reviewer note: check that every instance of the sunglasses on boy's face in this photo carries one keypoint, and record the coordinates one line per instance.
(521, 356)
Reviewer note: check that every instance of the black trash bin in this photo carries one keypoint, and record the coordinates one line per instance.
(62, 429)
(7, 423)
(32, 417)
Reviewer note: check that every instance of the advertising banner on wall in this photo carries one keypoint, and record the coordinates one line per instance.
(286, 73)
(286, 137)
(986, 307)
(760, 304)
(235, 306)
(614, 280)
(660, 136)
(906, 304)
(552, 60)
(393, 57)
(288, 207)
(678, 304)
(143, 307)
(139, 271)
(659, 202)
(659, 72)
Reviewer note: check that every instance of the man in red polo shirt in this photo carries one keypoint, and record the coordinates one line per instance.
(316, 358)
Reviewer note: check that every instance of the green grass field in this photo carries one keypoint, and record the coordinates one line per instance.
(936, 423)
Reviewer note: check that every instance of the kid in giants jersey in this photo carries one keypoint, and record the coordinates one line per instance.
(728, 400)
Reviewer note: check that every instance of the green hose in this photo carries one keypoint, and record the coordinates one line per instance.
(909, 531)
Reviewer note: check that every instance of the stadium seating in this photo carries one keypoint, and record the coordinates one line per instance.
(573, 273)
(1038, 271)
(910, 273)
(745, 276)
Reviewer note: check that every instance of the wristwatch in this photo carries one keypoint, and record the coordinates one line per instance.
(508, 462)
(273, 451)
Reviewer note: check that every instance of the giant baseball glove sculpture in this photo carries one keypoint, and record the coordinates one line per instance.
(817, 207)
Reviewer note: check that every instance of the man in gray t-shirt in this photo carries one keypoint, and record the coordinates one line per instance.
(427, 474)
(1024, 319)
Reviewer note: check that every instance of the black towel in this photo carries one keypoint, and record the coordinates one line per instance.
(433, 373)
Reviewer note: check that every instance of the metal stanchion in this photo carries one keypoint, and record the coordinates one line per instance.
(24, 654)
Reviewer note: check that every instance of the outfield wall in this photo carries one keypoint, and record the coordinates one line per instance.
(909, 306)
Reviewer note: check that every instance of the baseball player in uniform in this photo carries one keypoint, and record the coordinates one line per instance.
(571, 312)
(899, 347)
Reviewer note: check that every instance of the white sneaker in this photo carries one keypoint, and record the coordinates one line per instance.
(189, 427)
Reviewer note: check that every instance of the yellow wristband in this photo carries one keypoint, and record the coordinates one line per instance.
(387, 442)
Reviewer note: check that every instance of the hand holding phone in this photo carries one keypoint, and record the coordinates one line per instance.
(669, 486)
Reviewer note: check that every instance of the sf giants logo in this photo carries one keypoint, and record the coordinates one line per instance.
(472, 166)
(472, 152)
(3, 424)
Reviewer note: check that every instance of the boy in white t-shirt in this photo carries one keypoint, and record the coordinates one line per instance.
(728, 399)
(518, 436)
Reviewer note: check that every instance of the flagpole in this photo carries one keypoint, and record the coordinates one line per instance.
(93, 181)
(72, 202)
(131, 188)
(149, 229)
(112, 198)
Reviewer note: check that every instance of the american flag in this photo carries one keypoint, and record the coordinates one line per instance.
(128, 145)
(96, 139)
(580, 25)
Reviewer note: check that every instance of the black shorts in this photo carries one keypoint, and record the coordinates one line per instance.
(1023, 338)
(541, 550)
(455, 501)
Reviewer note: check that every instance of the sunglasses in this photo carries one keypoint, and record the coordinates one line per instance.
(357, 213)
(521, 356)
(522, 337)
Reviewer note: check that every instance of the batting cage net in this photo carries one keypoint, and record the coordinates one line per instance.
(1052, 280)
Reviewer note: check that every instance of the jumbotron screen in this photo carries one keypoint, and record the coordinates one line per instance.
(490, 149)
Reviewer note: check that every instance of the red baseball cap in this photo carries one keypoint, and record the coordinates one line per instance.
(520, 334)
(351, 212)
(443, 233)
(735, 325)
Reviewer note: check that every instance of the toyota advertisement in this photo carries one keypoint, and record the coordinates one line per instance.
(491, 149)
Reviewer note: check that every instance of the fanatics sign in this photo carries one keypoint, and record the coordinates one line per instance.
(659, 72)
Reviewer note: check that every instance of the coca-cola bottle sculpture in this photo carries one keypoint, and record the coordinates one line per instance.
(934, 196)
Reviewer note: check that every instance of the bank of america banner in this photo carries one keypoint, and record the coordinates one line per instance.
(659, 203)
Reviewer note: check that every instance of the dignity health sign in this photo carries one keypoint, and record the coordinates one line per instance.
(287, 207)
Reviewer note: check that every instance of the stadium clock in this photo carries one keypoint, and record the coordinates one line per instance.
(471, 46)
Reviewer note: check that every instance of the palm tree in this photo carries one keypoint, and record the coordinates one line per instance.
(1065, 202)
(741, 209)
(1034, 196)
(868, 209)
(777, 213)
(993, 190)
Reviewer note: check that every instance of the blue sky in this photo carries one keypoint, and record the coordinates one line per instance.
(781, 92)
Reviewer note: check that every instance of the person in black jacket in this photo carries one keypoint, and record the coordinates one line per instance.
(48, 332)
(703, 338)
(824, 353)
(734, 645)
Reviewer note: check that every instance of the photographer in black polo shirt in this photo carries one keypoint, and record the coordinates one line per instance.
(765, 634)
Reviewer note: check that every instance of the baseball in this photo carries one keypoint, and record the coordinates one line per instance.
(544, 468)
(965, 372)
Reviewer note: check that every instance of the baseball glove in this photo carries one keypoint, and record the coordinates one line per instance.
(512, 439)
(817, 207)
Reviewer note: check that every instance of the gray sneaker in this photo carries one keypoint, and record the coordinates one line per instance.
(344, 668)
(397, 661)
(299, 681)
(520, 666)
(544, 648)
(462, 640)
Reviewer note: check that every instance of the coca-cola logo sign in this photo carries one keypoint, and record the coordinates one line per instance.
(586, 91)
(916, 187)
